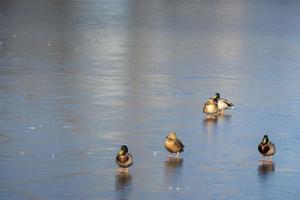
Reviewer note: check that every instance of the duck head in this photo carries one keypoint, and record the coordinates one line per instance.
(217, 96)
(265, 139)
(123, 150)
(172, 135)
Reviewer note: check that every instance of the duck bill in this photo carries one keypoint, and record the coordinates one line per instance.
(121, 152)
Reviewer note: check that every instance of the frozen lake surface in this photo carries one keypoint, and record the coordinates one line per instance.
(80, 78)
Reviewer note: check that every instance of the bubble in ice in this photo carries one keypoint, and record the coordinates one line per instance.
(66, 126)
(49, 44)
(90, 153)
(76, 49)
(40, 126)
(0, 42)
(266, 51)
(31, 128)
(26, 33)
(14, 35)
(187, 188)
(92, 41)
(177, 188)
(22, 153)
(170, 188)
(52, 156)
(155, 153)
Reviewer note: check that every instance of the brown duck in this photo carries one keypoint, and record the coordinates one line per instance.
(173, 144)
(210, 108)
(266, 148)
(124, 159)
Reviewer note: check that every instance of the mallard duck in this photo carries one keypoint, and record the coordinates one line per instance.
(124, 159)
(223, 104)
(266, 148)
(210, 107)
(173, 144)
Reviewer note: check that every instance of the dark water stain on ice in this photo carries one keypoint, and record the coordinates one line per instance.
(80, 78)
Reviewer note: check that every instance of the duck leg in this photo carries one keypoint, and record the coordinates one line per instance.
(123, 170)
(177, 155)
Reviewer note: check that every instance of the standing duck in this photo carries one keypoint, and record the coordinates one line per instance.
(173, 144)
(223, 104)
(266, 148)
(210, 108)
(124, 159)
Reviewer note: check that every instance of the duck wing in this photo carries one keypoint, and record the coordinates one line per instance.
(272, 149)
(179, 145)
(225, 103)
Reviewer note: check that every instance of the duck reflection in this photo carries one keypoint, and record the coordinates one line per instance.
(210, 125)
(224, 118)
(173, 171)
(173, 163)
(123, 185)
(265, 168)
(209, 122)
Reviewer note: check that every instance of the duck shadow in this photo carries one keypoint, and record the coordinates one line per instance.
(123, 185)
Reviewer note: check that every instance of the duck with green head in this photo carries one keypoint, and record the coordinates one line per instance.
(173, 144)
(124, 159)
(266, 148)
(223, 104)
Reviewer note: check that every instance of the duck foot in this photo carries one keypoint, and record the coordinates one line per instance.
(266, 160)
(211, 117)
(221, 112)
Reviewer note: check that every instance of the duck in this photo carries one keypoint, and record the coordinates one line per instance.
(124, 159)
(223, 104)
(210, 108)
(173, 144)
(266, 148)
